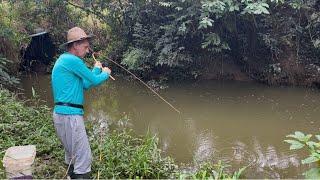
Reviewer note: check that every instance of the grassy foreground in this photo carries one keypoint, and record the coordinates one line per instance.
(117, 154)
(22, 124)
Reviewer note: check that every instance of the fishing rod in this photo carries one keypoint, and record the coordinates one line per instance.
(145, 84)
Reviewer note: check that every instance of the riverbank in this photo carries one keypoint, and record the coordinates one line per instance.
(120, 154)
(285, 73)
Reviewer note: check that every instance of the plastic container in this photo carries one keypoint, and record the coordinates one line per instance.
(18, 161)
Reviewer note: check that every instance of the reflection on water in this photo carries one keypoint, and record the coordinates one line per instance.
(240, 123)
(204, 147)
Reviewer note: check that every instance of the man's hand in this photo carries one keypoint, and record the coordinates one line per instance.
(98, 64)
(106, 69)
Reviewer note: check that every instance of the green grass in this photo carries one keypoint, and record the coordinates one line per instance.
(125, 156)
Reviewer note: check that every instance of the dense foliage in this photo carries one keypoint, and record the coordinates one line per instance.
(10, 38)
(19, 19)
(272, 41)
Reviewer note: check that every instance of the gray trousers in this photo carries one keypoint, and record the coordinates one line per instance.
(72, 134)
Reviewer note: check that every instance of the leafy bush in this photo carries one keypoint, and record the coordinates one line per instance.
(134, 58)
(300, 140)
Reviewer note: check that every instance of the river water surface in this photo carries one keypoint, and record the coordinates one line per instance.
(239, 123)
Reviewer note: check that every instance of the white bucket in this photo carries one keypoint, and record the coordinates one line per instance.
(18, 161)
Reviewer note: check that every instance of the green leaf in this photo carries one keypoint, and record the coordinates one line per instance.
(313, 173)
(237, 174)
(316, 155)
(294, 144)
(264, 10)
(300, 136)
(316, 44)
(309, 160)
(290, 141)
(318, 137)
(33, 92)
(265, 5)
(312, 144)
(165, 4)
(182, 28)
(178, 8)
(205, 22)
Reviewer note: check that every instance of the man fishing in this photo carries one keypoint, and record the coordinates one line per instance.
(70, 77)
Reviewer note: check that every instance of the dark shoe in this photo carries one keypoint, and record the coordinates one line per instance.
(70, 170)
(81, 176)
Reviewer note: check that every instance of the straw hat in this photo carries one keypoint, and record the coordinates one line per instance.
(75, 34)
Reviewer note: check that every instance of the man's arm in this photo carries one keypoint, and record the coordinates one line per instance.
(88, 77)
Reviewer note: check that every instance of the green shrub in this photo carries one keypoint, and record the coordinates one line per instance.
(300, 140)
(134, 58)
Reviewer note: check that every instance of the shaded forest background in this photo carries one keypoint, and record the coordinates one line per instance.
(271, 41)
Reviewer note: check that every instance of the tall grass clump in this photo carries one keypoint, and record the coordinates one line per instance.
(126, 156)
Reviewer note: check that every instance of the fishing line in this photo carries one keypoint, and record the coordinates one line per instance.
(139, 81)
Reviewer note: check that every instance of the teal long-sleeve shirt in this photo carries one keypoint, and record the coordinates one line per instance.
(70, 77)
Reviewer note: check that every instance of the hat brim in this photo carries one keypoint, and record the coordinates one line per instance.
(87, 37)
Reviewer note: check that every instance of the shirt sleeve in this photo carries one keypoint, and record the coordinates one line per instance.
(86, 84)
(89, 78)
(96, 70)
